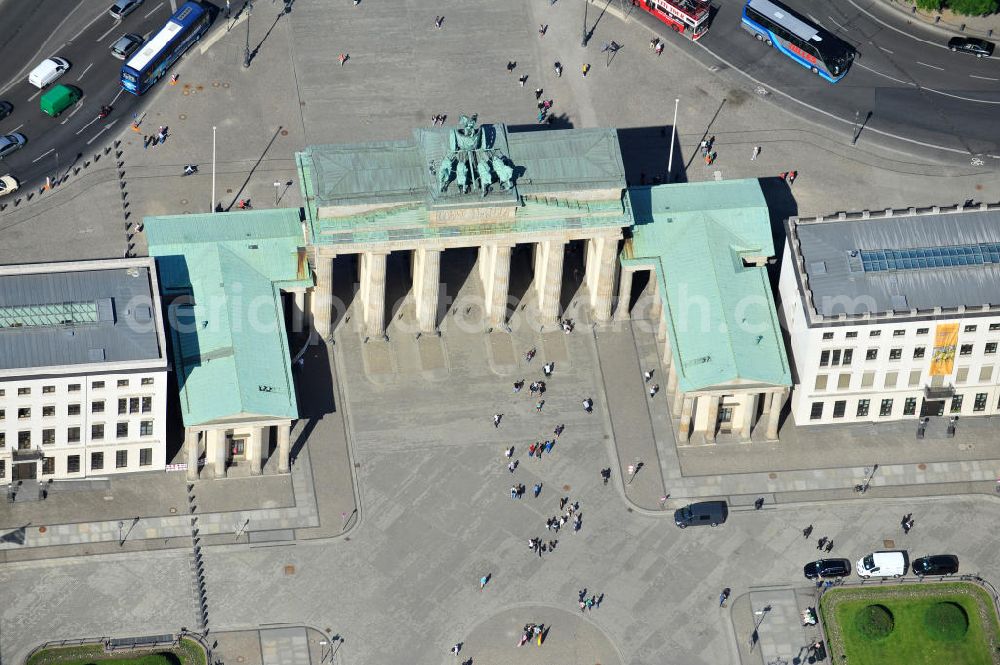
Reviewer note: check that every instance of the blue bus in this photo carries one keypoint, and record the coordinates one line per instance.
(809, 45)
(156, 56)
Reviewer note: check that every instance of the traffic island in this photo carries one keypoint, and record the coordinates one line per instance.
(912, 624)
(182, 651)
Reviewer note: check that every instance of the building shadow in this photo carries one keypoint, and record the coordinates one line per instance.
(314, 392)
(646, 153)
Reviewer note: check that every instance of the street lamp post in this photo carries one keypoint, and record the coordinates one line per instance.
(248, 8)
(583, 43)
(756, 625)
(277, 186)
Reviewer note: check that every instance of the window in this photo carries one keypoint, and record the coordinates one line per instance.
(147, 381)
(991, 348)
(48, 437)
(133, 405)
(3, 414)
(824, 358)
(121, 459)
(868, 379)
(863, 407)
(828, 335)
(886, 408)
(146, 427)
(836, 358)
(839, 407)
(147, 404)
(3, 439)
(898, 333)
(851, 334)
(123, 383)
(923, 331)
(980, 403)
(919, 351)
(3, 468)
(994, 327)
(871, 354)
(73, 410)
(895, 354)
(875, 333)
(891, 378)
(97, 432)
(23, 413)
(97, 407)
(23, 391)
(97, 385)
(969, 329)
(48, 466)
(73, 464)
(848, 357)
(844, 381)
(73, 435)
(122, 406)
(96, 461)
(48, 411)
(48, 390)
(962, 375)
(73, 387)
(145, 456)
(121, 430)
(915, 377)
(24, 439)
(816, 411)
(956, 404)
(965, 350)
(910, 406)
(821, 380)
(985, 373)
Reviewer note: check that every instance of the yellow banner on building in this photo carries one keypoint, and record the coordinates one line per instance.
(945, 342)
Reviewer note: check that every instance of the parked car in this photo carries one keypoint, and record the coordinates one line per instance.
(58, 99)
(977, 47)
(825, 568)
(11, 143)
(891, 563)
(712, 513)
(936, 564)
(123, 8)
(126, 45)
(47, 71)
(8, 185)
(6, 108)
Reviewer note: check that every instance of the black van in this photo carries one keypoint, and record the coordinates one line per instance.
(712, 513)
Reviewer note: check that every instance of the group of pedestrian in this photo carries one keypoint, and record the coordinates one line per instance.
(539, 447)
(539, 546)
(789, 176)
(572, 514)
(439, 119)
(907, 522)
(824, 543)
(588, 602)
(706, 150)
(532, 631)
(159, 137)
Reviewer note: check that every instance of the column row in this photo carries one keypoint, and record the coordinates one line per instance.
(216, 442)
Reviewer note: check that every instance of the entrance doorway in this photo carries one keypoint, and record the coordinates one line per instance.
(25, 471)
(932, 407)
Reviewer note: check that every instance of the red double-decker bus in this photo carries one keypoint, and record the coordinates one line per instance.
(688, 17)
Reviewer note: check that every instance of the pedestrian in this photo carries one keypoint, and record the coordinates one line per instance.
(588, 405)
(821, 542)
(829, 546)
(529, 355)
(583, 605)
(709, 158)
(589, 603)
(518, 385)
(806, 532)
(512, 466)
(547, 368)
(538, 93)
(783, 175)
(653, 389)
(509, 452)
(562, 502)
(520, 490)
(438, 20)
(559, 429)
(521, 79)
(724, 596)
(577, 523)
(357, 2)
(513, 491)
(585, 68)
(496, 419)
(343, 57)
(704, 147)
(229, 10)
(653, 42)
(647, 375)
(542, 29)
(759, 503)
(907, 526)
(558, 67)
(792, 175)
(531, 449)
(659, 48)
(455, 649)
(537, 489)
(606, 475)
(510, 66)
(541, 116)
(548, 446)
(552, 544)
(756, 151)
(539, 405)
(483, 581)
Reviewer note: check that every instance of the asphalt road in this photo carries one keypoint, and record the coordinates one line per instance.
(82, 33)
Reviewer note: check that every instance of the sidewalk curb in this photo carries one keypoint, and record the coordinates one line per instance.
(905, 9)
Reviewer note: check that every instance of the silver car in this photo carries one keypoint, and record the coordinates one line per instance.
(11, 143)
(126, 45)
(123, 8)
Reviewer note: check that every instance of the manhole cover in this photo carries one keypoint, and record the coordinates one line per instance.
(889, 544)
(215, 84)
(922, 467)
(357, 465)
(183, 116)
(630, 509)
(229, 191)
(565, 488)
(42, 529)
(186, 92)
(200, 87)
(172, 510)
(284, 132)
(772, 475)
(289, 569)
(184, 202)
(240, 659)
(225, 85)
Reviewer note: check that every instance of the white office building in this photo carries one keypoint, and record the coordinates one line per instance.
(83, 371)
(893, 315)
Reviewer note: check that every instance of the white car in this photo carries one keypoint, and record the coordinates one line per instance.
(47, 71)
(8, 185)
(890, 563)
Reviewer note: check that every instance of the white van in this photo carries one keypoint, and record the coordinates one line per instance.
(48, 71)
(890, 563)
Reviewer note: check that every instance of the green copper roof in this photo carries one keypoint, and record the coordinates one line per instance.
(229, 343)
(721, 318)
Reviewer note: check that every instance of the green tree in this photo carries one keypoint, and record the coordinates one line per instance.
(929, 5)
(974, 7)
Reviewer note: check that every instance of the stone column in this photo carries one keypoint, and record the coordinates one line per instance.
(215, 450)
(684, 427)
(257, 442)
(774, 413)
(426, 286)
(671, 379)
(373, 292)
(624, 294)
(321, 302)
(284, 446)
(298, 308)
(656, 307)
(661, 329)
(602, 257)
(191, 440)
(495, 271)
(711, 405)
(668, 355)
(549, 256)
(749, 410)
(678, 401)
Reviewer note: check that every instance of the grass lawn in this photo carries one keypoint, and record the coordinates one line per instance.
(188, 652)
(911, 624)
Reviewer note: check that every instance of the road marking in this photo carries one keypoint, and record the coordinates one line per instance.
(75, 111)
(17, 128)
(98, 134)
(845, 29)
(940, 69)
(51, 150)
(985, 78)
(153, 10)
(885, 49)
(115, 99)
(875, 71)
(37, 92)
(85, 72)
(87, 126)
(110, 30)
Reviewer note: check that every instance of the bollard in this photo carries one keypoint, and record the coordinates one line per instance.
(118, 142)
(138, 228)
(121, 183)
(97, 157)
(86, 164)
(107, 150)
(76, 170)
(121, 163)
(961, 28)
